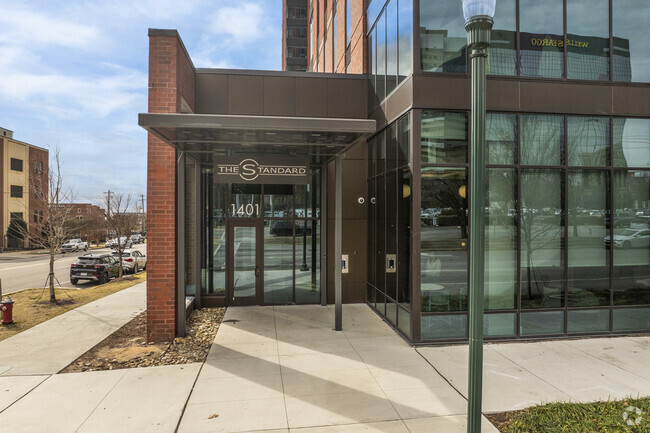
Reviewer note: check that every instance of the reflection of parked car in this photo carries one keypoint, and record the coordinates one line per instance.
(74, 245)
(94, 267)
(285, 228)
(132, 260)
(630, 238)
(124, 242)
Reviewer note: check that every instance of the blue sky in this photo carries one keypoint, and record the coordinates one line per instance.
(73, 74)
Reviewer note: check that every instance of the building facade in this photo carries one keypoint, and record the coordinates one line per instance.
(568, 171)
(23, 177)
(294, 35)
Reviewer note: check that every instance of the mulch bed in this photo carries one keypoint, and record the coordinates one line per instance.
(128, 347)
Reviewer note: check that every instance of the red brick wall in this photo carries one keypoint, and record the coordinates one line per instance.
(42, 180)
(2, 144)
(171, 77)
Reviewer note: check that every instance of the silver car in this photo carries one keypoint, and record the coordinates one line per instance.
(133, 261)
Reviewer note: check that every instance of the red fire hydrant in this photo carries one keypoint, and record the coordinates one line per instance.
(7, 306)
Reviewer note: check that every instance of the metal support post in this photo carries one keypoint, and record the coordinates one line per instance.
(338, 248)
(180, 244)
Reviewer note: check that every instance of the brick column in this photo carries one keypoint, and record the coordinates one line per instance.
(171, 81)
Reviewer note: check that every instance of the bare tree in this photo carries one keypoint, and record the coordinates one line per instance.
(121, 217)
(54, 224)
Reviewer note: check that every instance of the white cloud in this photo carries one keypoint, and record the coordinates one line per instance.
(241, 25)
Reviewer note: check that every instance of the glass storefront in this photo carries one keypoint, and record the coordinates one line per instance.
(262, 242)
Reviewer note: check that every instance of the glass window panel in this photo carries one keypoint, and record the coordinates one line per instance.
(542, 38)
(542, 323)
(391, 312)
(214, 272)
(391, 45)
(381, 57)
(588, 141)
(371, 296)
(588, 321)
(391, 233)
(444, 138)
(631, 142)
(443, 39)
(588, 256)
(501, 138)
(404, 321)
(381, 152)
(542, 275)
(244, 261)
(245, 200)
(443, 239)
(404, 140)
(588, 39)
(405, 38)
(380, 303)
(372, 248)
(391, 146)
(542, 139)
(380, 233)
(500, 325)
(372, 67)
(502, 52)
(632, 319)
(631, 42)
(334, 36)
(307, 261)
(348, 22)
(404, 201)
(443, 326)
(500, 240)
(278, 201)
(372, 157)
(307, 197)
(278, 262)
(631, 237)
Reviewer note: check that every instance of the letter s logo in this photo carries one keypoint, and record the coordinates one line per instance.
(248, 169)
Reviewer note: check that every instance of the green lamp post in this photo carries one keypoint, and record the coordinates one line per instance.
(478, 16)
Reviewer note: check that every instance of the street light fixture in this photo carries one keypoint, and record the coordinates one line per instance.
(478, 16)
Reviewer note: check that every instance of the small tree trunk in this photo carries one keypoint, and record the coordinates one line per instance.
(51, 277)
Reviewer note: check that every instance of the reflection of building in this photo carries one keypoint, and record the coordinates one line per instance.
(294, 35)
(23, 173)
(567, 168)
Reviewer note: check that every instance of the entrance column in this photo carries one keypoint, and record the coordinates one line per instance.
(180, 244)
(338, 230)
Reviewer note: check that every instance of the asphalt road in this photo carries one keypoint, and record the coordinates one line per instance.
(29, 271)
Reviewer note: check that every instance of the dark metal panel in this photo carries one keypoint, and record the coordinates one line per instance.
(450, 93)
(548, 97)
(245, 94)
(355, 180)
(502, 95)
(211, 94)
(347, 98)
(311, 97)
(631, 101)
(338, 233)
(197, 244)
(279, 96)
(397, 103)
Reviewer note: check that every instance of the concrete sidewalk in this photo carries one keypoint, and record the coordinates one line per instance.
(283, 369)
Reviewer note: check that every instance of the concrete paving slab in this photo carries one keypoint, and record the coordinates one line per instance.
(50, 346)
(341, 361)
(217, 389)
(61, 403)
(393, 358)
(145, 400)
(446, 424)
(329, 382)
(630, 354)
(12, 388)
(425, 402)
(376, 427)
(220, 350)
(407, 377)
(333, 409)
(234, 416)
(241, 367)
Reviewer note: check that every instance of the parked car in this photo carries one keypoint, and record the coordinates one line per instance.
(94, 267)
(124, 242)
(630, 238)
(285, 228)
(137, 238)
(74, 245)
(132, 260)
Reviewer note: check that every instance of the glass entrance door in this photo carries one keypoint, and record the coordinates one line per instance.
(244, 270)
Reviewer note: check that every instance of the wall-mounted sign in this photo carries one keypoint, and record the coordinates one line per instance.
(239, 169)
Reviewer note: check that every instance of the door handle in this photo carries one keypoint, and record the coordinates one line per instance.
(257, 271)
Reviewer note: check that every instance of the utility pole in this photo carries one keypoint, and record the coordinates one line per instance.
(143, 226)
(108, 212)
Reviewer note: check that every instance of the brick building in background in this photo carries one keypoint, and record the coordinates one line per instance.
(23, 174)
(384, 111)
(294, 35)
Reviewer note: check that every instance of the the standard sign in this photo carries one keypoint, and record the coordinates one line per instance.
(261, 170)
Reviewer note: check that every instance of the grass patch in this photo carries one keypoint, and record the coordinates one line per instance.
(33, 306)
(604, 416)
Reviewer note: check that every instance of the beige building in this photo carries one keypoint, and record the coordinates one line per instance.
(23, 173)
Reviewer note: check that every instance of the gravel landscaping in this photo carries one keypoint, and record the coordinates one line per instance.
(128, 347)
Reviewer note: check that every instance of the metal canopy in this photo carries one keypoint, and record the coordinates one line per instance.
(204, 136)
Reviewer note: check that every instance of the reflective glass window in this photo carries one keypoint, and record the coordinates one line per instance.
(443, 327)
(631, 241)
(381, 57)
(500, 240)
(587, 321)
(542, 323)
(405, 38)
(541, 38)
(542, 139)
(278, 201)
(631, 142)
(404, 140)
(348, 22)
(391, 235)
(213, 280)
(444, 137)
(334, 38)
(501, 138)
(404, 321)
(372, 68)
(278, 261)
(541, 238)
(502, 52)
(391, 45)
(307, 261)
(443, 239)
(588, 257)
(632, 319)
(443, 39)
(631, 42)
(500, 325)
(404, 202)
(588, 141)
(372, 249)
(588, 39)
